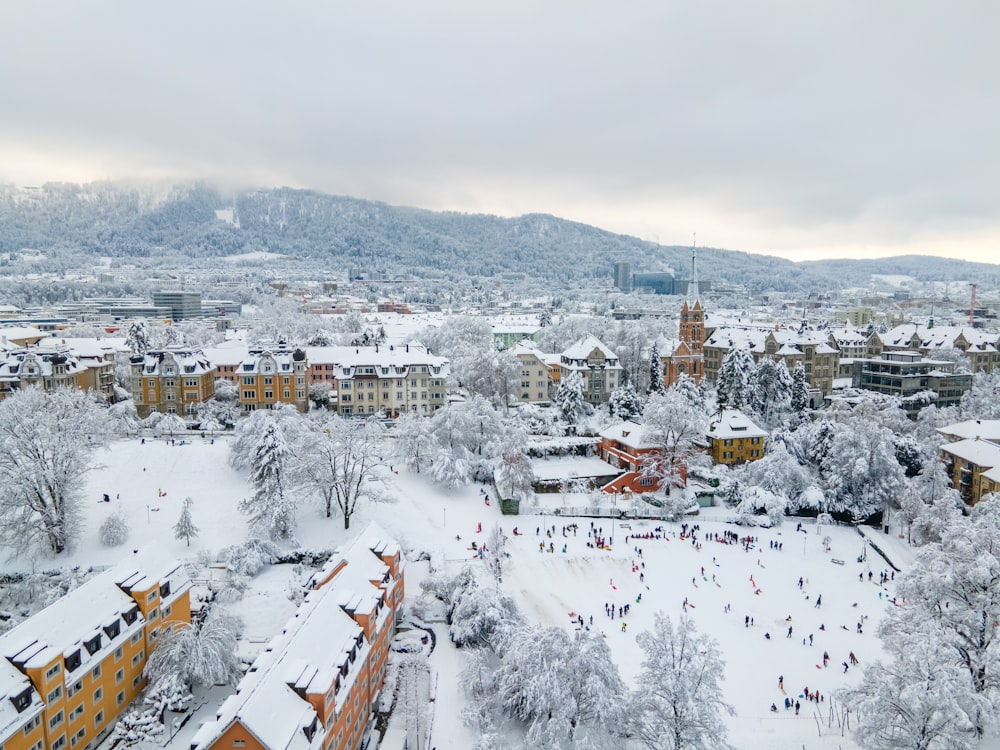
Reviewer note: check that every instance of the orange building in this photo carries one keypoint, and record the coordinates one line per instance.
(270, 376)
(316, 684)
(53, 364)
(624, 446)
(175, 380)
(69, 671)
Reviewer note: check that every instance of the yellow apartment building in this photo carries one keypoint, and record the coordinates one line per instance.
(315, 685)
(175, 380)
(734, 438)
(270, 376)
(70, 670)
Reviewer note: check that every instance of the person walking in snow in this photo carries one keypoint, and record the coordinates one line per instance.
(789, 632)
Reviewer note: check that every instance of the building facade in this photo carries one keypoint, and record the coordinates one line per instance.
(596, 364)
(370, 380)
(535, 379)
(687, 357)
(625, 447)
(973, 465)
(69, 671)
(906, 374)
(271, 376)
(316, 684)
(182, 305)
(175, 380)
(734, 438)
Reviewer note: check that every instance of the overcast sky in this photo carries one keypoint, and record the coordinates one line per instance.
(802, 129)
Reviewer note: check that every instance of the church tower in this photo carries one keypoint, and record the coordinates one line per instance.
(688, 357)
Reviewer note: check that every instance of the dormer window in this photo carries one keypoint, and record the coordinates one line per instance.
(113, 629)
(165, 589)
(93, 645)
(73, 661)
(22, 700)
(130, 616)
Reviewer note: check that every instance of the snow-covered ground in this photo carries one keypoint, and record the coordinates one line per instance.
(723, 584)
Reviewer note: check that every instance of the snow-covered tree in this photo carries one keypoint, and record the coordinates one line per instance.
(114, 530)
(340, 461)
(670, 425)
(780, 473)
(982, 400)
(679, 700)
(137, 338)
(862, 473)
(624, 402)
(249, 431)
(185, 528)
(478, 613)
(412, 443)
(169, 693)
(800, 394)
(952, 592)
(488, 372)
(771, 389)
(733, 382)
(136, 725)
(248, 558)
(656, 384)
(270, 509)
(565, 689)
(198, 654)
(224, 409)
(513, 474)
(48, 441)
(569, 396)
(921, 700)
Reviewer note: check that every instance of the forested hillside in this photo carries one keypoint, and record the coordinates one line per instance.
(165, 226)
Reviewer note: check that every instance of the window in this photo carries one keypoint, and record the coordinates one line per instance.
(55, 695)
(56, 720)
(98, 695)
(120, 674)
(268, 380)
(151, 383)
(136, 638)
(268, 394)
(98, 718)
(118, 653)
(52, 671)
(75, 688)
(136, 681)
(120, 698)
(153, 614)
(239, 743)
(130, 616)
(247, 380)
(72, 661)
(646, 482)
(139, 657)
(22, 700)
(727, 454)
(60, 743)
(96, 672)
(113, 629)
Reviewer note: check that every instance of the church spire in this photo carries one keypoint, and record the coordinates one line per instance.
(693, 292)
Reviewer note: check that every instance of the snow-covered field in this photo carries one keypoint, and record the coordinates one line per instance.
(722, 583)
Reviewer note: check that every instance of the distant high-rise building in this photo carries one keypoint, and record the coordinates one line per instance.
(623, 276)
(183, 305)
(657, 283)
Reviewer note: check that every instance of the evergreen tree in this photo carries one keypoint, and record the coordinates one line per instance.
(270, 509)
(800, 394)
(771, 391)
(569, 396)
(137, 338)
(185, 528)
(656, 384)
(624, 402)
(733, 383)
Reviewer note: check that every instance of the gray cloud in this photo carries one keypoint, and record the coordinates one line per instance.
(768, 126)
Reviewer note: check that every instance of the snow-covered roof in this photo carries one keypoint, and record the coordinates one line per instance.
(978, 452)
(90, 611)
(986, 429)
(21, 334)
(571, 467)
(311, 653)
(582, 349)
(628, 433)
(190, 361)
(731, 424)
(390, 356)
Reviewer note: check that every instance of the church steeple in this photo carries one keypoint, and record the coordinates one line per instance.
(693, 292)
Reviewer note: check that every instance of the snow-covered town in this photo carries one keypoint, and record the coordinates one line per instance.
(430, 531)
